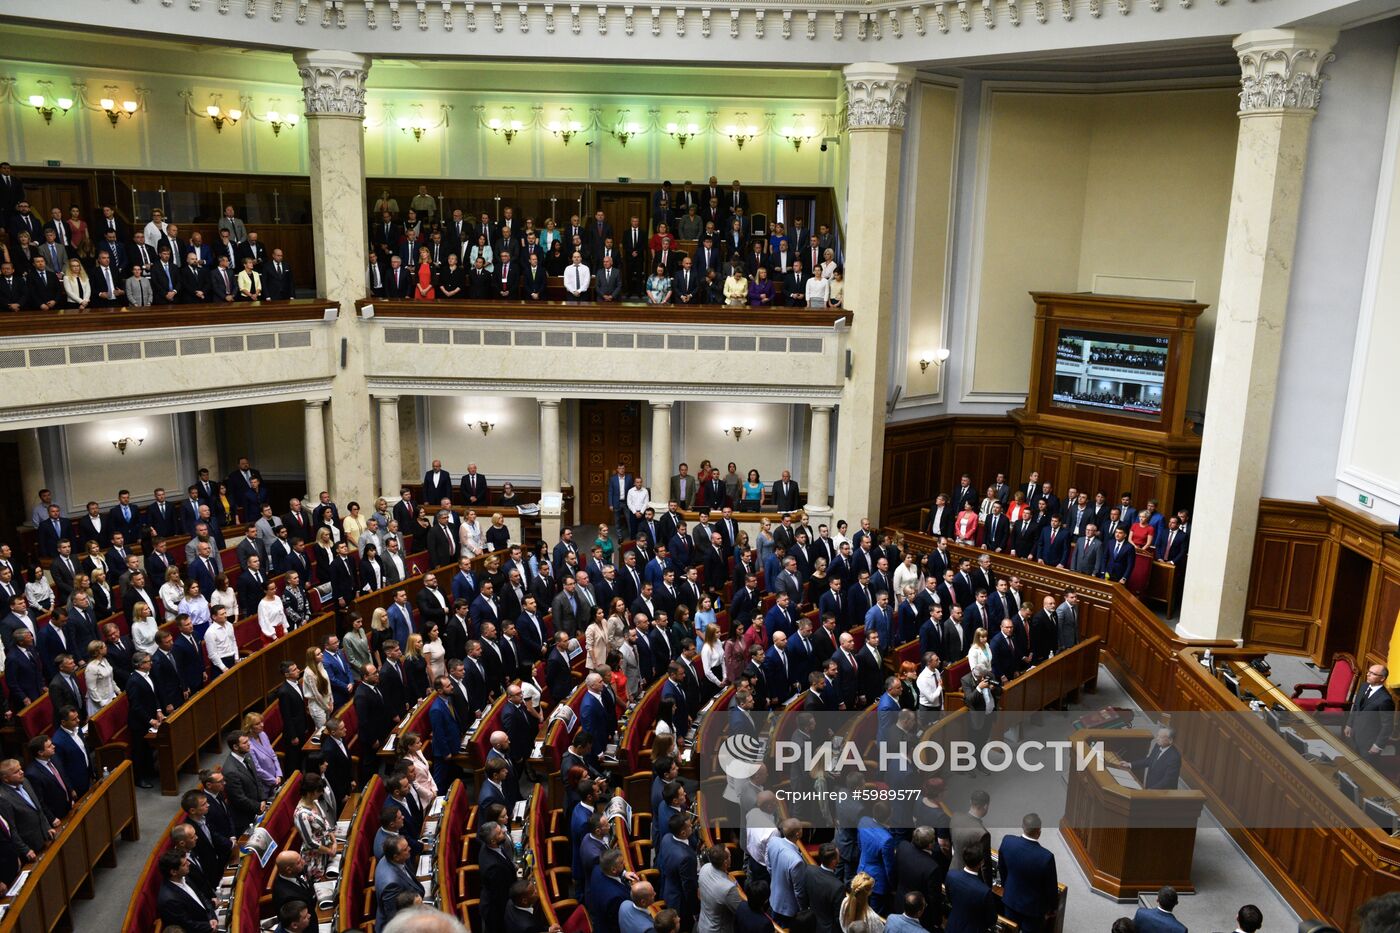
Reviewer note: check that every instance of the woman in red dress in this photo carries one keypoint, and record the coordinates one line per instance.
(1141, 535)
(966, 526)
(424, 290)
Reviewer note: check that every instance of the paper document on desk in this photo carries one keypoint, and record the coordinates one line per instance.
(1125, 778)
(517, 813)
(325, 894)
(15, 888)
(1323, 749)
(438, 803)
(425, 866)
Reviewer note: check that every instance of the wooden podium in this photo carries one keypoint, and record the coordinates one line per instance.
(1129, 840)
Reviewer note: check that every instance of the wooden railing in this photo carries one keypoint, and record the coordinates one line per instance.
(156, 317)
(1322, 864)
(198, 724)
(85, 841)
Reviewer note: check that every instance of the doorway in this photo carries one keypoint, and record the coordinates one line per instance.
(620, 207)
(1344, 615)
(610, 432)
(45, 194)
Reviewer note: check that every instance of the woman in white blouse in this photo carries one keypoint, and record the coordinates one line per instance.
(76, 285)
(272, 617)
(98, 677)
(172, 591)
(595, 641)
(979, 655)
(423, 783)
(224, 595)
(316, 687)
(828, 265)
(434, 653)
(712, 660)
(818, 290)
(143, 628)
(470, 535)
(906, 574)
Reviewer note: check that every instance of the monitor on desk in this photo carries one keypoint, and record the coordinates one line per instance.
(1295, 741)
(1379, 811)
(1349, 787)
(1232, 683)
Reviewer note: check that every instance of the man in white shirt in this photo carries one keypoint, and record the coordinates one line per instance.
(930, 683)
(577, 278)
(220, 640)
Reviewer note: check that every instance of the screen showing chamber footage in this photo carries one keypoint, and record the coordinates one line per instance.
(1123, 374)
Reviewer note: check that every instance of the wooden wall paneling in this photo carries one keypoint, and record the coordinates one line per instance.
(1291, 567)
(1381, 622)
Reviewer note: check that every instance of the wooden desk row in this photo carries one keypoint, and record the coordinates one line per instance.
(65, 869)
(198, 725)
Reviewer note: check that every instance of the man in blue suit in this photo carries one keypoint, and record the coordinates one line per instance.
(887, 708)
(392, 878)
(779, 671)
(337, 670)
(464, 582)
(618, 484)
(781, 617)
(877, 620)
(674, 690)
(1159, 919)
(596, 717)
(606, 892)
(400, 618)
(1030, 888)
(1118, 562)
(447, 732)
(23, 670)
(579, 823)
(680, 877)
(1053, 549)
(71, 754)
(493, 789)
(1006, 664)
(972, 907)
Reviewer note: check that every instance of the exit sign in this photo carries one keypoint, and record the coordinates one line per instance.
(1368, 501)
(53, 163)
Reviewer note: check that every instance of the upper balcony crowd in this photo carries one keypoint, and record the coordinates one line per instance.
(700, 247)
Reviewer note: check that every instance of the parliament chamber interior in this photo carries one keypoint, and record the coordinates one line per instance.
(782, 481)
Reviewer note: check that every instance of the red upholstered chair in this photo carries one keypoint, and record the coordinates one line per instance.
(1336, 693)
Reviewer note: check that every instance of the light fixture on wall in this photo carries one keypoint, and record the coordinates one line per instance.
(797, 135)
(739, 430)
(478, 423)
(419, 124)
(114, 112)
(507, 125)
(278, 120)
(625, 128)
(564, 128)
(47, 105)
(219, 116)
(938, 356)
(122, 442)
(741, 133)
(684, 131)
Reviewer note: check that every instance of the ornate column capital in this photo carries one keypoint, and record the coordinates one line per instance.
(1281, 69)
(333, 82)
(660, 406)
(548, 402)
(876, 96)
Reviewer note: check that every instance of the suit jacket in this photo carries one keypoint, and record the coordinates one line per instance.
(475, 485)
(784, 495)
(74, 763)
(286, 889)
(296, 722)
(390, 881)
(43, 288)
(51, 786)
(31, 818)
(1161, 767)
(1119, 560)
(176, 908)
(1027, 869)
(972, 908)
(1156, 920)
(277, 285)
(244, 792)
(825, 892)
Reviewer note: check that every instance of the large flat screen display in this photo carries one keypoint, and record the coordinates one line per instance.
(1111, 373)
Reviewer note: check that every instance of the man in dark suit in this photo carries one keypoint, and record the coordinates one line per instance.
(1159, 918)
(825, 889)
(1120, 556)
(1161, 766)
(437, 483)
(1030, 888)
(373, 717)
(291, 883)
(13, 289)
(72, 754)
(442, 541)
(847, 671)
(1174, 543)
(475, 489)
(296, 723)
(919, 869)
(24, 809)
(178, 904)
(1368, 723)
(794, 285)
(972, 907)
(1053, 547)
(246, 795)
(46, 779)
(785, 493)
(64, 692)
(45, 290)
(191, 283)
(557, 674)
(277, 278)
(497, 874)
(505, 280)
(223, 287)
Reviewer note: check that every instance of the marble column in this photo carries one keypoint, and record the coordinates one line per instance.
(551, 498)
(1281, 82)
(333, 84)
(31, 468)
(315, 414)
(206, 442)
(390, 457)
(876, 96)
(659, 478)
(819, 466)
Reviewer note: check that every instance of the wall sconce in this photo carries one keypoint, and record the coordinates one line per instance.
(115, 113)
(682, 132)
(46, 110)
(626, 130)
(477, 423)
(741, 134)
(278, 120)
(564, 129)
(507, 128)
(218, 116)
(122, 442)
(798, 135)
(933, 356)
(739, 430)
(417, 126)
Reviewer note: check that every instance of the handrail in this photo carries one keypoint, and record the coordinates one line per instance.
(84, 841)
(620, 312)
(157, 317)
